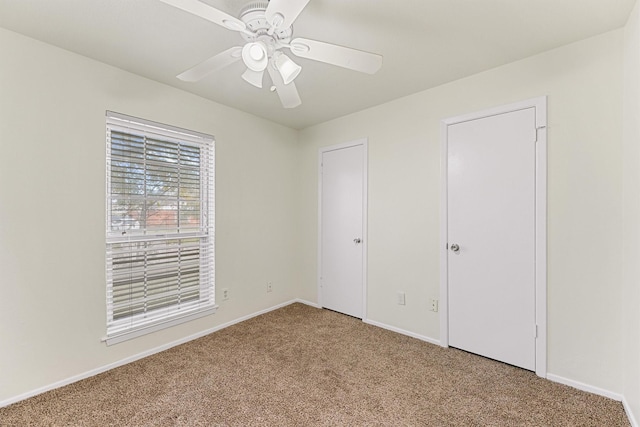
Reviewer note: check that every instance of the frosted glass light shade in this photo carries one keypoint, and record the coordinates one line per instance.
(288, 69)
(253, 77)
(254, 56)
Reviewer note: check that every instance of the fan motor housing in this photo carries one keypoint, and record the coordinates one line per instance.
(253, 15)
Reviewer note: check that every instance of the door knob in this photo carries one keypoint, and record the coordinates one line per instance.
(455, 248)
(356, 241)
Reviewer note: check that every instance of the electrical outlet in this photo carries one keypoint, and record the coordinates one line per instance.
(434, 305)
(269, 287)
(225, 294)
(401, 298)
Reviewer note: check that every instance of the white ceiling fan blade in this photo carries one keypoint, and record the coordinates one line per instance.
(209, 13)
(341, 56)
(288, 94)
(212, 64)
(253, 77)
(288, 10)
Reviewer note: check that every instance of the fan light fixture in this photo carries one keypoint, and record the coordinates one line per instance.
(288, 69)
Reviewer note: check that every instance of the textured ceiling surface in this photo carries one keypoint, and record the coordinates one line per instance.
(425, 43)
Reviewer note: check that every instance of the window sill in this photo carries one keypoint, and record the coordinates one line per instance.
(156, 326)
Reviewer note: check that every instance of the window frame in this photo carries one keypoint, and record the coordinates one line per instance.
(139, 324)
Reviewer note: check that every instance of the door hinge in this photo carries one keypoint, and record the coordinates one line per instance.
(535, 331)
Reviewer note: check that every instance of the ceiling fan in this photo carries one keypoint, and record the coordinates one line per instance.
(266, 27)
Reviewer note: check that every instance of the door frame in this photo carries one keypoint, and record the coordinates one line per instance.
(365, 165)
(540, 105)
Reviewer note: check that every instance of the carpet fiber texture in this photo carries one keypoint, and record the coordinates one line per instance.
(301, 366)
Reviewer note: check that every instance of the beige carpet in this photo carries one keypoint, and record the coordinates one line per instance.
(300, 366)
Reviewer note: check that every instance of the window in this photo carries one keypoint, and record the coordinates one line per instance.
(160, 226)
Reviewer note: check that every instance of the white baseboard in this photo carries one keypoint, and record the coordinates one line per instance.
(142, 355)
(309, 303)
(599, 391)
(93, 372)
(402, 331)
(627, 409)
(381, 325)
(585, 387)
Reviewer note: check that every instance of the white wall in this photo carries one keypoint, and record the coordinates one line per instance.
(52, 106)
(631, 212)
(584, 85)
(52, 209)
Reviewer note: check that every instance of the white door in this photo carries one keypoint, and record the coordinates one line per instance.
(341, 229)
(491, 236)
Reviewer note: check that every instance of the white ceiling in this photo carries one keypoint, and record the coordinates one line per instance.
(425, 43)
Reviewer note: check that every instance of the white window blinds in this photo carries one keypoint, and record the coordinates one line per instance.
(160, 226)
